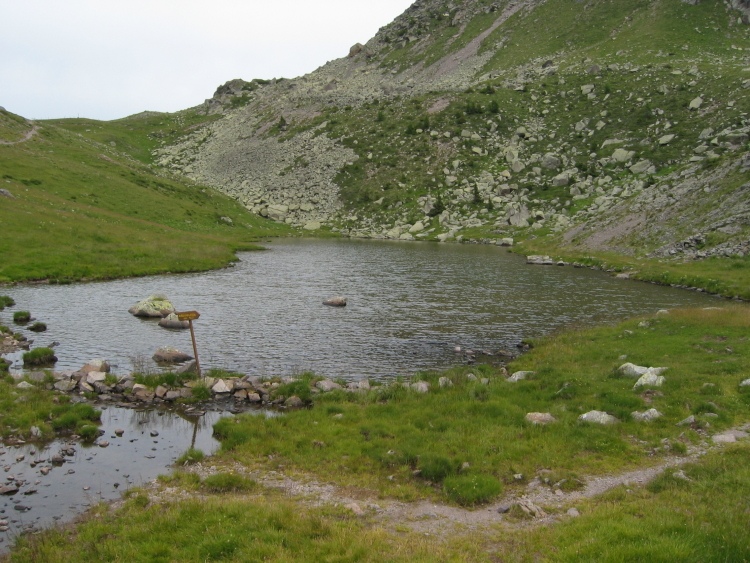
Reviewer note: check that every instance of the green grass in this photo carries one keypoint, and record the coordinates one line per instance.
(701, 518)
(20, 409)
(229, 528)
(370, 444)
(82, 209)
(405, 444)
(39, 357)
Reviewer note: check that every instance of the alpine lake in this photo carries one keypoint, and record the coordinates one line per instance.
(411, 306)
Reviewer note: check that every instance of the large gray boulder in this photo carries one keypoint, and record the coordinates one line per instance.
(170, 355)
(154, 306)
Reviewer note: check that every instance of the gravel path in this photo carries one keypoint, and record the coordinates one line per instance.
(436, 518)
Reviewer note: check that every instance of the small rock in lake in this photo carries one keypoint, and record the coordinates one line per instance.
(154, 433)
(119, 432)
(335, 302)
(103, 444)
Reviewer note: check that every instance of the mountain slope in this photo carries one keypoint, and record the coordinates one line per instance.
(72, 207)
(603, 124)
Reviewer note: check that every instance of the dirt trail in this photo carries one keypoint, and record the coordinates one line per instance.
(437, 518)
(26, 137)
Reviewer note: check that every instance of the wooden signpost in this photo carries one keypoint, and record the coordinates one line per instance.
(190, 316)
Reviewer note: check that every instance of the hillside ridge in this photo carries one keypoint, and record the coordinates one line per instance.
(604, 127)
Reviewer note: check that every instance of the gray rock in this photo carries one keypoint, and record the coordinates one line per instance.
(445, 382)
(729, 437)
(745, 383)
(294, 402)
(540, 418)
(562, 179)
(420, 386)
(335, 301)
(327, 385)
(221, 386)
(641, 167)
(689, 421)
(65, 385)
(172, 321)
(169, 355)
(632, 370)
(95, 377)
(666, 139)
(24, 385)
(622, 155)
(650, 379)
(646, 416)
(519, 376)
(598, 417)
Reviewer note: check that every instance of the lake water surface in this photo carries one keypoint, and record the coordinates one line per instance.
(410, 305)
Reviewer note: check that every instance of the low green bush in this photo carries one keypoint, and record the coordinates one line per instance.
(191, 456)
(65, 417)
(470, 490)
(228, 483)
(201, 392)
(20, 317)
(6, 301)
(39, 357)
(436, 468)
(88, 432)
(38, 327)
(300, 388)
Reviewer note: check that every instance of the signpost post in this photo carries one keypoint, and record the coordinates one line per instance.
(190, 316)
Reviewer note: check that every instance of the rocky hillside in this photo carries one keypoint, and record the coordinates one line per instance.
(604, 124)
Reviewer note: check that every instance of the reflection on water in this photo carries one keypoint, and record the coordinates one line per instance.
(50, 493)
(409, 305)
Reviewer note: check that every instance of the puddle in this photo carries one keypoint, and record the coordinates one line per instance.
(50, 493)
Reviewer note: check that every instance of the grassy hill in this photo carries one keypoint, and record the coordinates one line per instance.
(82, 201)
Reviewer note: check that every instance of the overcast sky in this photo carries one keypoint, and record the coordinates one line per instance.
(107, 59)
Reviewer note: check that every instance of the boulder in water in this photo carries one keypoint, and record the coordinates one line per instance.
(154, 306)
(171, 321)
(170, 356)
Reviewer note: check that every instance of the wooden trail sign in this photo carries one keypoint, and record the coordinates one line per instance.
(190, 316)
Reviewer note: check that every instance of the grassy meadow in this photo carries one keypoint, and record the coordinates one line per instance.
(85, 209)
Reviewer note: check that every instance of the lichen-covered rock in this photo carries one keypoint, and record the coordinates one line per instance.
(154, 306)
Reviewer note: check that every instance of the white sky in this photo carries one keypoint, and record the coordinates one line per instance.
(106, 59)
